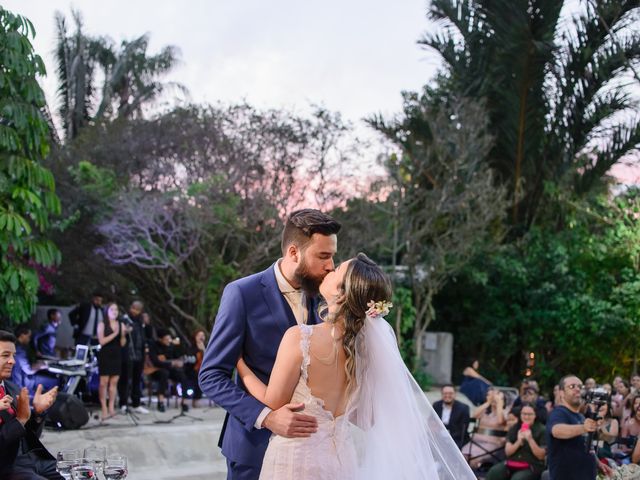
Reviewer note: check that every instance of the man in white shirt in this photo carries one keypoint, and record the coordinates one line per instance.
(454, 414)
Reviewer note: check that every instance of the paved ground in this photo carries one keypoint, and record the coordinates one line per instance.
(184, 449)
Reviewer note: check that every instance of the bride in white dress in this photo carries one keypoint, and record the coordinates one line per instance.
(374, 422)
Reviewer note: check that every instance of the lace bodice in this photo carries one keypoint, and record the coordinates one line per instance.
(302, 393)
(328, 453)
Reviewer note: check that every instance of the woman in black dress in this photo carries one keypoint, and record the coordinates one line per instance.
(112, 337)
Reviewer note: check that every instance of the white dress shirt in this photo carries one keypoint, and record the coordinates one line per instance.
(296, 300)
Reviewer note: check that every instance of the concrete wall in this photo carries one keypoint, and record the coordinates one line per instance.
(437, 356)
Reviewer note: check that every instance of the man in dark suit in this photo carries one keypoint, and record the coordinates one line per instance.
(84, 319)
(454, 414)
(22, 456)
(254, 314)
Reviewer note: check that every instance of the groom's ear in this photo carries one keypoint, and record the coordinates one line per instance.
(294, 252)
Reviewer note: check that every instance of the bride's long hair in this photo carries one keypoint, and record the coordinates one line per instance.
(364, 281)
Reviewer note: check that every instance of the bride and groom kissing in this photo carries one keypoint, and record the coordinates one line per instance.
(321, 391)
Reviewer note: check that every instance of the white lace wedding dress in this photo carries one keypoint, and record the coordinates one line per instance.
(327, 454)
(398, 435)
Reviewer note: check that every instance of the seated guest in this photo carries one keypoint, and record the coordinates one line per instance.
(635, 383)
(525, 449)
(195, 354)
(22, 456)
(619, 397)
(165, 366)
(529, 394)
(630, 428)
(26, 374)
(556, 399)
(474, 386)
(454, 414)
(631, 405)
(489, 436)
(44, 341)
(608, 431)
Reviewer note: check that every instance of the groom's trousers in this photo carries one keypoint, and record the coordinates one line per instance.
(236, 471)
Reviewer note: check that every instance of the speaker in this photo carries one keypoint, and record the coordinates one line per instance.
(68, 412)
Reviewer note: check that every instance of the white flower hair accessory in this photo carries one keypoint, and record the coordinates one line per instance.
(378, 309)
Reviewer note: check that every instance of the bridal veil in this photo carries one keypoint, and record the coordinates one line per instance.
(400, 436)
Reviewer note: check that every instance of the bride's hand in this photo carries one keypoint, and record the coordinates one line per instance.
(242, 367)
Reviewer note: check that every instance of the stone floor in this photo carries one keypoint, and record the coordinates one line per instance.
(184, 449)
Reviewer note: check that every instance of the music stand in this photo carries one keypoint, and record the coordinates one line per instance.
(131, 415)
(180, 415)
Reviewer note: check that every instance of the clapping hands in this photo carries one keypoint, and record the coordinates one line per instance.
(524, 435)
(23, 411)
(5, 402)
(43, 401)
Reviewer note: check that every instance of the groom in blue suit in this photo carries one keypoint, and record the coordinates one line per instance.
(254, 314)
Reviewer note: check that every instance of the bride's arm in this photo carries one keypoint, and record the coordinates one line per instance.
(284, 376)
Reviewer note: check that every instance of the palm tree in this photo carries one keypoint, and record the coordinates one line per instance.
(131, 78)
(75, 57)
(556, 88)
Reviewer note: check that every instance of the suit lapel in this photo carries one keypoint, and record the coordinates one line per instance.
(280, 310)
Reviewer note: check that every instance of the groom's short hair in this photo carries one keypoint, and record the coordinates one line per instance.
(302, 224)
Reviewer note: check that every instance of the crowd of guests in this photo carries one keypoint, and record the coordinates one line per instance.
(583, 428)
(131, 353)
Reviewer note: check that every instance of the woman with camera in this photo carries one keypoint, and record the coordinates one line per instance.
(525, 449)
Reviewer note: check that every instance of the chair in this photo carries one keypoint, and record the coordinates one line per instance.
(496, 454)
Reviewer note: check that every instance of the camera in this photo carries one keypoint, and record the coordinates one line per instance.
(126, 320)
(594, 398)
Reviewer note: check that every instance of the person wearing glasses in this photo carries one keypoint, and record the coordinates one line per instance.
(567, 456)
(525, 449)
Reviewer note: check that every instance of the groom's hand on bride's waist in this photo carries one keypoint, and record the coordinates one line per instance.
(288, 422)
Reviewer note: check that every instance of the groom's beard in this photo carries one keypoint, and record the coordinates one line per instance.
(309, 284)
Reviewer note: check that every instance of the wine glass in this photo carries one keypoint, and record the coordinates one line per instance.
(86, 469)
(96, 455)
(116, 467)
(65, 461)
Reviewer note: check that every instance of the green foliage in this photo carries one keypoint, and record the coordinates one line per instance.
(99, 183)
(570, 297)
(27, 190)
(559, 105)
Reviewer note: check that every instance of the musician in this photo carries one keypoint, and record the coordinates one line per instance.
(193, 362)
(44, 340)
(165, 365)
(22, 456)
(26, 374)
(85, 319)
(133, 359)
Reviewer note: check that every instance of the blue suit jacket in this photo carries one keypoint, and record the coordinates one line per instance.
(251, 321)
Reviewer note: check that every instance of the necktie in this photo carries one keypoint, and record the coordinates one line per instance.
(11, 411)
